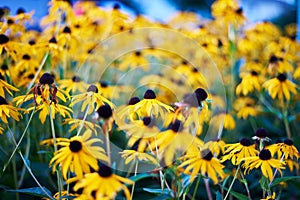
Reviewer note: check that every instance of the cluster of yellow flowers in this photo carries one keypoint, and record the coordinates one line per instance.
(101, 74)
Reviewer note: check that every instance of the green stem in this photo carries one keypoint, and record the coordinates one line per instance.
(206, 183)
(285, 119)
(15, 176)
(234, 178)
(27, 150)
(17, 146)
(135, 172)
(58, 173)
(83, 120)
(246, 185)
(196, 188)
(107, 141)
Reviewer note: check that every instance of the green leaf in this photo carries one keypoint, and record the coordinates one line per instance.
(142, 176)
(237, 195)
(158, 191)
(218, 195)
(284, 179)
(264, 183)
(35, 191)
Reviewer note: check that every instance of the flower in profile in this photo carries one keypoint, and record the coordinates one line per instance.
(265, 161)
(106, 114)
(103, 184)
(75, 84)
(204, 162)
(134, 60)
(150, 106)
(78, 154)
(238, 151)
(76, 123)
(280, 87)
(142, 131)
(7, 111)
(270, 197)
(216, 146)
(226, 118)
(90, 98)
(173, 140)
(128, 111)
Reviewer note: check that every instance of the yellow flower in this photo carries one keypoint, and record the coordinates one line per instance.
(75, 84)
(1, 130)
(280, 86)
(250, 82)
(273, 197)
(53, 109)
(245, 107)
(7, 110)
(101, 185)
(174, 140)
(238, 151)
(285, 149)
(143, 131)
(265, 161)
(216, 146)
(150, 106)
(203, 162)
(76, 123)
(78, 155)
(6, 86)
(90, 98)
(111, 91)
(134, 60)
(133, 155)
(226, 118)
(128, 112)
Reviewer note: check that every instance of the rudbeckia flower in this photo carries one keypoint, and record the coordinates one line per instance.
(150, 106)
(134, 155)
(280, 87)
(134, 60)
(173, 140)
(250, 82)
(7, 111)
(238, 151)
(78, 154)
(269, 197)
(285, 149)
(76, 123)
(246, 107)
(102, 184)
(216, 146)
(4, 86)
(90, 98)
(143, 131)
(75, 84)
(202, 162)
(265, 161)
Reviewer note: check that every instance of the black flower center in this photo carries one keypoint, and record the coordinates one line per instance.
(103, 84)
(184, 62)
(105, 111)
(261, 133)
(31, 42)
(4, 67)
(148, 121)
(206, 154)
(254, 73)
(265, 154)
(201, 94)
(177, 126)
(133, 100)
(3, 101)
(20, 11)
(75, 146)
(10, 21)
(30, 76)
(220, 43)
(67, 30)
(3, 39)
(76, 79)
(26, 57)
(46, 78)
(288, 142)
(104, 171)
(239, 11)
(281, 77)
(138, 53)
(245, 142)
(273, 59)
(116, 6)
(93, 88)
(149, 94)
(53, 40)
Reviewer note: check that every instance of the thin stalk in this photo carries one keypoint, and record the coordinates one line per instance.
(27, 150)
(246, 185)
(196, 188)
(58, 174)
(29, 169)
(234, 178)
(276, 170)
(135, 172)
(15, 176)
(206, 183)
(83, 120)
(38, 71)
(285, 120)
(22, 136)
(107, 141)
